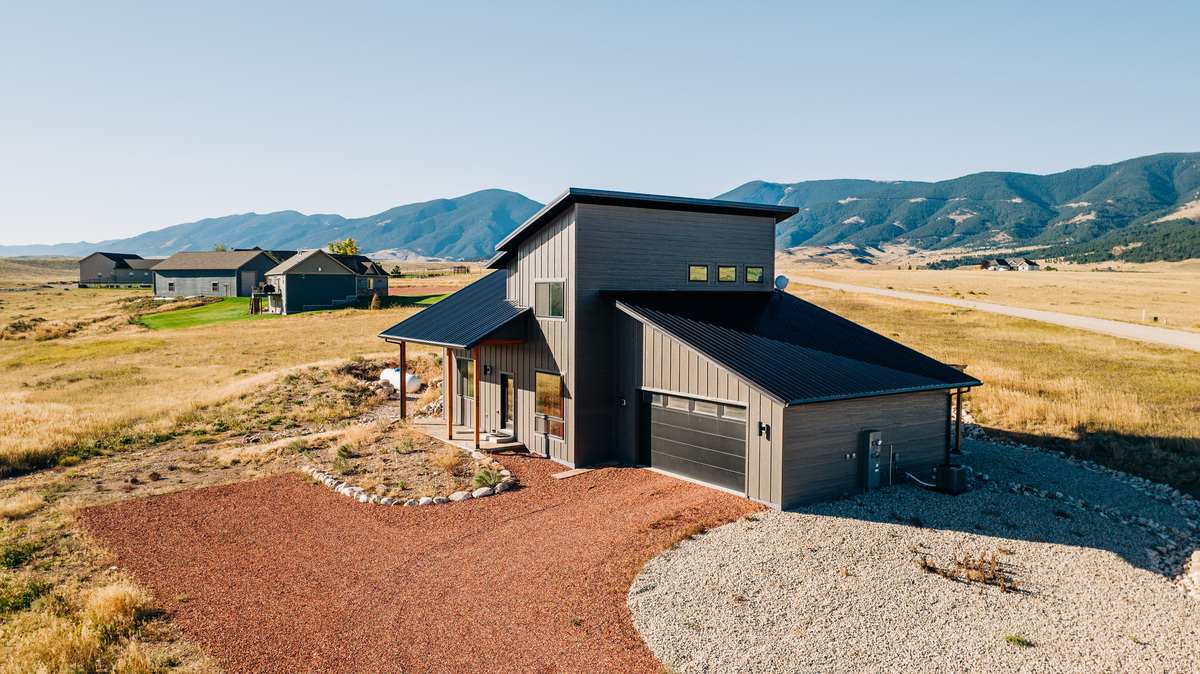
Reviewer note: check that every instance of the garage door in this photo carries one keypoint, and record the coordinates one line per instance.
(698, 439)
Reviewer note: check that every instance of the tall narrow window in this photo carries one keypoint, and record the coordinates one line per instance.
(216, 287)
(549, 299)
(698, 273)
(466, 377)
(548, 404)
(171, 287)
(754, 275)
(726, 273)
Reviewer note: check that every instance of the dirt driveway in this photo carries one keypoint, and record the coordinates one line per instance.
(282, 575)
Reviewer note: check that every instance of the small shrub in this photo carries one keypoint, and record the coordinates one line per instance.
(486, 477)
(20, 505)
(114, 609)
(134, 660)
(345, 453)
(298, 446)
(342, 467)
(51, 643)
(375, 305)
(447, 459)
(19, 594)
(1018, 640)
(18, 553)
(404, 446)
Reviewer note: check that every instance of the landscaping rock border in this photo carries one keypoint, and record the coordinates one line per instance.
(507, 482)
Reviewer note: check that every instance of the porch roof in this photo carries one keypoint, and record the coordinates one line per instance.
(466, 318)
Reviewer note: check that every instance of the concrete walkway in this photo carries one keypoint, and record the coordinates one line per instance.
(1180, 339)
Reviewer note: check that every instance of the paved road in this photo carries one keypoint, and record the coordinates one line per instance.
(1143, 333)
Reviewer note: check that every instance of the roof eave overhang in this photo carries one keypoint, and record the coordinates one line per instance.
(885, 392)
(576, 195)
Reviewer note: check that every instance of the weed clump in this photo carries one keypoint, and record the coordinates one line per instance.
(486, 477)
(983, 569)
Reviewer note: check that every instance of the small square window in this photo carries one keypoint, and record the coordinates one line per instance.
(704, 407)
(656, 399)
(170, 287)
(726, 273)
(698, 273)
(216, 287)
(754, 275)
(677, 403)
(732, 412)
(549, 300)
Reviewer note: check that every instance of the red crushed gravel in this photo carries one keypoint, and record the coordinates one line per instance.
(281, 575)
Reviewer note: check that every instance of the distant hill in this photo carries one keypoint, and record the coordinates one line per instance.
(460, 228)
(986, 210)
(1146, 208)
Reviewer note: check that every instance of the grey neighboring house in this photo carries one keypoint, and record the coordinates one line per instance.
(645, 330)
(308, 280)
(212, 274)
(372, 279)
(116, 269)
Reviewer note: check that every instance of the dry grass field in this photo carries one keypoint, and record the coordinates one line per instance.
(1131, 406)
(1171, 295)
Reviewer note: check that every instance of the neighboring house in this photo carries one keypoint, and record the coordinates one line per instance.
(1025, 264)
(277, 255)
(315, 279)
(116, 269)
(644, 330)
(997, 264)
(215, 273)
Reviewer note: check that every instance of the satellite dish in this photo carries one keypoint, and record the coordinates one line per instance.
(781, 282)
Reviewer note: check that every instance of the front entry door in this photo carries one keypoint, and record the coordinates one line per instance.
(507, 400)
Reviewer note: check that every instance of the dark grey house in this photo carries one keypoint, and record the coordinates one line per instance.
(116, 269)
(315, 279)
(645, 330)
(215, 274)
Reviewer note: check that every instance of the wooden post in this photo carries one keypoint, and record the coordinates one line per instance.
(477, 397)
(448, 394)
(958, 423)
(403, 381)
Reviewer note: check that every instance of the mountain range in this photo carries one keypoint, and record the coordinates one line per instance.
(1146, 208)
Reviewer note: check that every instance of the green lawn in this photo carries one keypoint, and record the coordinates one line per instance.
(415, 300)
(228, 309)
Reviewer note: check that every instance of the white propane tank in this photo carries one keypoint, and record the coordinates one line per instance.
(412, 383)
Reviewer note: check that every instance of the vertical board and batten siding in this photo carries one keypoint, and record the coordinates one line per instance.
(649, 358)
(627, 248)
(817, 437)
(549, 345)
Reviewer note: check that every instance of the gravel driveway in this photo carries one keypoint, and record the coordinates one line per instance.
(281, 575)
(837, 588)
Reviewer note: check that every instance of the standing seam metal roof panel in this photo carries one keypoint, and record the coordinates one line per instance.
(464, 318)
(791, 349)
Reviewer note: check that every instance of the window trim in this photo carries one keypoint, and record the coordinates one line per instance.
(762, 274)
(692, 265)
(562, 403)
(170, 286)
(734, 267)
(462, 377)
(559, 279)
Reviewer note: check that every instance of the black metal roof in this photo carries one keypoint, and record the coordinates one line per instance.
(579, 195)
(793, 350)
(463, 319)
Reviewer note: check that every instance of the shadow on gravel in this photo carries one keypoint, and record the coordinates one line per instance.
(1056, 502)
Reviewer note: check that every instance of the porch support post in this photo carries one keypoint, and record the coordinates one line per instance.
(448, 394)
(478, 396)
(958, 422)
(403, 381)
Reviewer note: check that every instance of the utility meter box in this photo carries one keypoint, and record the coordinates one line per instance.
(871, 462)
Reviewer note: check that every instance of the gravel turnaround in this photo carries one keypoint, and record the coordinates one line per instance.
(283, 575)
(837, 586)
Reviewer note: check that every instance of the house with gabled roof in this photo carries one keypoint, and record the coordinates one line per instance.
(102, 268)
(316, 279)
(645, 330)
(233, 273)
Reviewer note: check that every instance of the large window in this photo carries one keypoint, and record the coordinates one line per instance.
(726, 273)
(548, 403)
(549, 299)
(698, 273)
(754, 274)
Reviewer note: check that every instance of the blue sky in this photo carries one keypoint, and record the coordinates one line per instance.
(119, 117)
